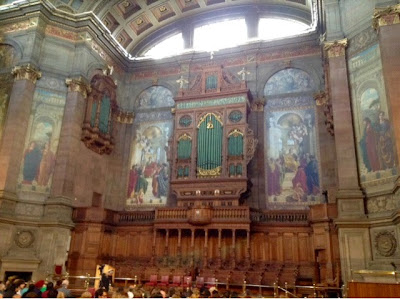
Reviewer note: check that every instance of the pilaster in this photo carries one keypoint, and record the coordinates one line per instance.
(14, 132)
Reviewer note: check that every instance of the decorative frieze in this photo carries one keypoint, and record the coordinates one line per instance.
(124, 117)
(258, 105)
(336, 48)
(26, 72)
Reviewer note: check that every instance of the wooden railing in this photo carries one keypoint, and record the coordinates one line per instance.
(279, 216)
(134, 217)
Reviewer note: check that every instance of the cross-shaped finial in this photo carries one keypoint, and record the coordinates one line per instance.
(243, 74)
(181, 81)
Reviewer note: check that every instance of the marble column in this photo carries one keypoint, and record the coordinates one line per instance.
(349, 195)
(387, 23)
(14, 132)
(70, 138)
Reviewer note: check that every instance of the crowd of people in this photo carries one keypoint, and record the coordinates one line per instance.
(18, 288)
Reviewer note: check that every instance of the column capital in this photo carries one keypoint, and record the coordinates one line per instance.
(386, 16)
(79, 85)
(124, 117)
(258, 104)
(336, 48)
(26, 72)
(321, 98)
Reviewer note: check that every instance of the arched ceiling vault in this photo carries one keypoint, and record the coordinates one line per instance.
(134, 23)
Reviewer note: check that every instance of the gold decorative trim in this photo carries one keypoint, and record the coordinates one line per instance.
(386, 16)
(78, 85)
(204, 118)
(258, 105)
(185, 137)
(321, 98)
(209, 173)
(124, 117)
(26, 72)
(235, 133)
(336, 48)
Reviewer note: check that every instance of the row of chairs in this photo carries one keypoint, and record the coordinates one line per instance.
(179, 281)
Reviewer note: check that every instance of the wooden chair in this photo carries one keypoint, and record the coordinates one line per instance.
(152, 281)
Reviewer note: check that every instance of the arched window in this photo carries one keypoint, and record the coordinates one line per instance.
(273, 28)
(171, 46)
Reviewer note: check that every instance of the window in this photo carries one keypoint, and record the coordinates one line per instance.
(220, 35)
(272, 28)
(170, 46)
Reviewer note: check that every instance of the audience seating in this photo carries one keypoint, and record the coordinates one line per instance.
(199, 281)
(187, 281)
(210, 282)
(176, 281)
(164, 281)
(152, 281)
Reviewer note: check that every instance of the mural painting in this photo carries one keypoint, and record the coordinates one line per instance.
(292, 163)
(42, 141)
(376, 153)
(6, 83)
(149, 173)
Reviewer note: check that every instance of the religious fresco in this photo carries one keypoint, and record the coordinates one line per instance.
(155, 97)
(375, 143)
(7, 56)
(292, 164)
(292, 157)
(149, 171)
(288, 81)
(41, 142)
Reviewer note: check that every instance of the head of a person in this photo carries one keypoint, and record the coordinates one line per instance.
(85, 294)
(50, 286)
(65, 283)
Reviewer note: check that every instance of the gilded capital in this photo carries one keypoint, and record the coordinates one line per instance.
(386, 16)
(321, 98)
(336, 48)
(258, 105)
(124, 117)
(26, 72)
(78, 85)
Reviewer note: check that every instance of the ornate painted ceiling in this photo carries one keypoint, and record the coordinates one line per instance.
(132, 22)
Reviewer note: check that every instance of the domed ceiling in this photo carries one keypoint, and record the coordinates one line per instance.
(134, 22)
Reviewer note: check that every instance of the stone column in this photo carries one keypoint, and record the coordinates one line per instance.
(349, 195)
(70, 138)
(14, 132)
(387, 22)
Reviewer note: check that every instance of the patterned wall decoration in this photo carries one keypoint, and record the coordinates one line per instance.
(375, 144)
(41, 141)
(6, 83)
(149, 174)
(288, 81)
(155, 97)
(292, 163)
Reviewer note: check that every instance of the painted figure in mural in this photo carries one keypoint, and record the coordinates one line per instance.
(300, 179)
(162, 180)
(32, 158)
(368, 144)
(133, 178)
(274, 178)
(141, 186)
(385, 146)
(312, 176)
(46, 165)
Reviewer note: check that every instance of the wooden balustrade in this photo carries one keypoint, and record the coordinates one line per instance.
(134, 217)
(280, 216)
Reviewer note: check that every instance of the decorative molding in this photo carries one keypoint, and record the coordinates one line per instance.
(124, 117)
(385, 243)
(78, 85)
(251, 144)
(24, 238)
(322, 100)
(336, 48)
(386, 16)
(213, 102)
(258, 105)
(26, 72)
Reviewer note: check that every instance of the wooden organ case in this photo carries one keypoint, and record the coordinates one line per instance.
(212, 143)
